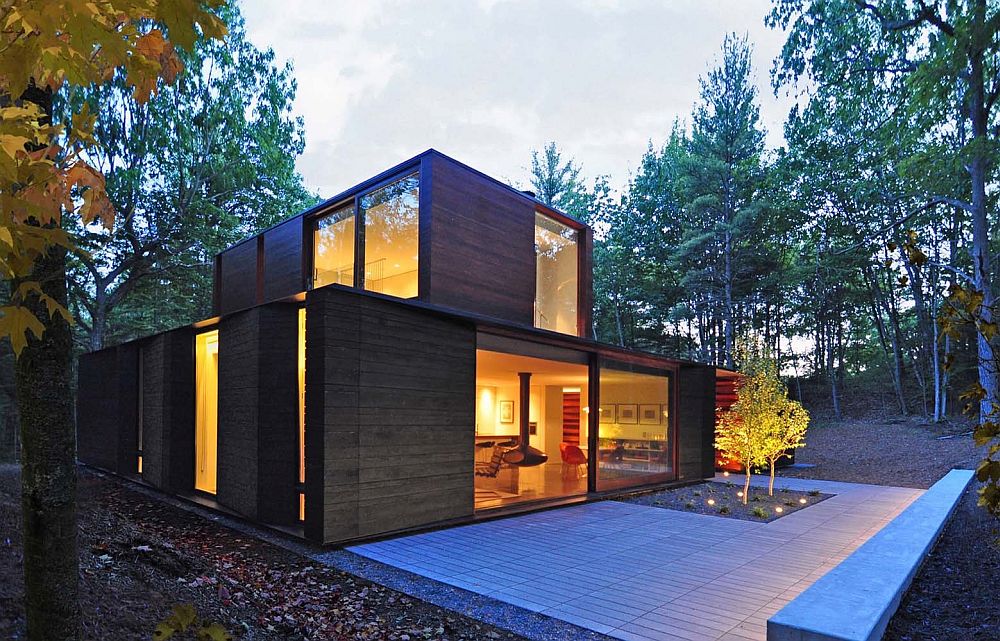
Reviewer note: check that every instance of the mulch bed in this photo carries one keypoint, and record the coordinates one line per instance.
(724, 499)
(140, 556)
(955, 595)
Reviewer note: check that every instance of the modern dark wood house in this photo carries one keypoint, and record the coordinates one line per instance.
(414, 351)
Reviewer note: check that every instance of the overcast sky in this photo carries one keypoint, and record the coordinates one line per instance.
(485, 81)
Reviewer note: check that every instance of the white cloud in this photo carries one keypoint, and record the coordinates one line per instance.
(486, 81)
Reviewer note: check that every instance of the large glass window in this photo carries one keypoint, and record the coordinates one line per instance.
(333, 248)
(635, 442)
(545, 456)
(206, 433)
(556, 275)
(391, 218)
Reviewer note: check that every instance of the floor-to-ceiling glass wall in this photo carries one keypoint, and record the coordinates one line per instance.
(531, 425)
(635, 442)
(206, 380)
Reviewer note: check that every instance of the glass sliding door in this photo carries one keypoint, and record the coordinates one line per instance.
(333, 248)
(206, 380)
(635, 442)
(556, 276)
(543, 457)
(391, 217)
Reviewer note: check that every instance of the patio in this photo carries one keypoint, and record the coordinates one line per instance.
(645, 573)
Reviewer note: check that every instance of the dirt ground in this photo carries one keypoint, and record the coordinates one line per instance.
(725, 500)
(139, 557)
(955, 596)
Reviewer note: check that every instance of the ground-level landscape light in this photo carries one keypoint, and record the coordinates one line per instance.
(725, 473)
(740, 493)
(779, 509)
(711, 501)
(803, 501)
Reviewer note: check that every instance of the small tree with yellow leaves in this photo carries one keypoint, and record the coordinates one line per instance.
(763, 424)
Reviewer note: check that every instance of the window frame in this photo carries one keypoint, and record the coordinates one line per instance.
(581, 252)
(354, 201)
(602, 362)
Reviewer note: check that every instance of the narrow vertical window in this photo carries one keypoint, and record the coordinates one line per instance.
(333, 248)
(302, 413)
(556, 276)
(206, 410)
(391, 219)
(138, 412)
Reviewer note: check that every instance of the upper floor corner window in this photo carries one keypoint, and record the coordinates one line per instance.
(333, 248)
(391, 247)
(556, 275)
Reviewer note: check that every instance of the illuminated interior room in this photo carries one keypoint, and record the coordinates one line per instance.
(557, 420)
(635, 433)
(206, 433)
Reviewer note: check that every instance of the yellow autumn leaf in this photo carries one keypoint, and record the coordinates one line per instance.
(15, 323)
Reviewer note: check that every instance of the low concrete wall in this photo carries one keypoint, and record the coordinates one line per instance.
(855, 600)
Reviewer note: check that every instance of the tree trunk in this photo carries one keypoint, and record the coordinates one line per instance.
(746, 485)
(728, 308)
(48, 474)
(770, 483)
(978, 173)
(48, 457)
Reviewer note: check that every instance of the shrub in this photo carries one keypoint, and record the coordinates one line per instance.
(759, 512)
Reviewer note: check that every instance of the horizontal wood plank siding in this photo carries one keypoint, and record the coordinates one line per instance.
(97, 412)
(168, 410)
(482, 245)
(258, 413)
(390, 395)
(238, 274)
(283, 260)
(696, 421)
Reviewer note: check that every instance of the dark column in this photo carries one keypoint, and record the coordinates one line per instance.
(525, 414)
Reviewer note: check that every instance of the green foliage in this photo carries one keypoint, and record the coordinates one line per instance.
(204, 163)
(759, 512)
(183, 622)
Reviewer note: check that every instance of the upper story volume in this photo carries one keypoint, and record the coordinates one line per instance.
(429, 229)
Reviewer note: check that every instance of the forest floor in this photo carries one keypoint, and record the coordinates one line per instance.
(955, 594)
(140, 556)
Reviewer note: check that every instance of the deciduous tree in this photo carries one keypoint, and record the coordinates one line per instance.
(46, 47)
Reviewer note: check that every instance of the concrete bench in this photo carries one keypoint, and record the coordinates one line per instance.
(855, 600)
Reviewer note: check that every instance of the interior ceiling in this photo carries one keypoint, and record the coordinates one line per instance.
(497, 368)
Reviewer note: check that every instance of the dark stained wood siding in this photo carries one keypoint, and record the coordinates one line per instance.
(283, 260)
(238, 274)
(482, 245)
(390, 395)
(97, 413)
(128, 407)
(168, 410)
(696, 421)
(258, 413)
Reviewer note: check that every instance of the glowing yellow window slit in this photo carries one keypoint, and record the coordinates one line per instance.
(206, 431)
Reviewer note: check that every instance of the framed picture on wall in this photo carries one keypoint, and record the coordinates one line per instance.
(506, 411)
(649, 414)
(628, 413)
(607, 413)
